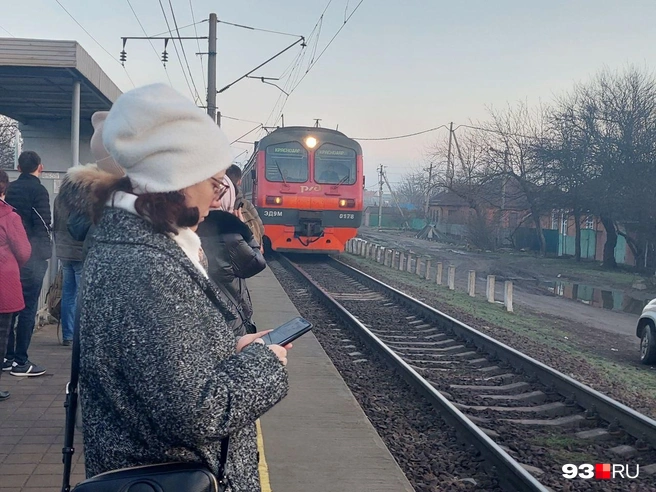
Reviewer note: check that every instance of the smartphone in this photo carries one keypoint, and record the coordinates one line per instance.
(288, 332)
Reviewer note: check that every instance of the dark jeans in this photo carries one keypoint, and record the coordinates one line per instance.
(5, 324)
(72, 271)
(20, 333)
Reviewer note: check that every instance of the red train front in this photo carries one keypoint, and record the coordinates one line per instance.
(307, 185)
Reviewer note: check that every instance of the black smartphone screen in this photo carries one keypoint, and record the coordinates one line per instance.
(288, 332)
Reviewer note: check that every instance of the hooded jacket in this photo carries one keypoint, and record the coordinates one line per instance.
(251, 217)
(66, 246)
(15, 250)
(233, 255)
(32, 202)
(160, 380)
(73, 226)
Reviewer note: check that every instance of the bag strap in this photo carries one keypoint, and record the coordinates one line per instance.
(72, 401)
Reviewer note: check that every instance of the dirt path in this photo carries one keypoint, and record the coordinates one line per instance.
(532, 278)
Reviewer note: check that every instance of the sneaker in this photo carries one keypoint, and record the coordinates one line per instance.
(67, 343)
(7, 364)
(27, 370)
(4, 395)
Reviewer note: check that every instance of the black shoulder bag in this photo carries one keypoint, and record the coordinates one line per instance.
(164, 477)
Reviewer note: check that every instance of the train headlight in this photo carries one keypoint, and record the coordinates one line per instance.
(311, 142)
(347, 203)
(274, 200)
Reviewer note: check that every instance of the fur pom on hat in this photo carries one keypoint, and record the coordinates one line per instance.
(163, 141)
(102, 158)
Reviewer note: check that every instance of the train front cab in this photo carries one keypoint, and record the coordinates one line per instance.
(310, 198)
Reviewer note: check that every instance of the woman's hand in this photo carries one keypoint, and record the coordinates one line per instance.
(281, 352)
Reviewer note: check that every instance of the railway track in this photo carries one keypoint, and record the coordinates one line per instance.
(516, 412)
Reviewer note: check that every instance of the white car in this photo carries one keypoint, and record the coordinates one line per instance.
(646, 332)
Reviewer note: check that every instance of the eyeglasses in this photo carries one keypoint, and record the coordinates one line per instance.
(220, 189)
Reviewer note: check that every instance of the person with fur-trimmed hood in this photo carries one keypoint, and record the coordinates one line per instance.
(233, 255)
(73, 228)
(162, 378)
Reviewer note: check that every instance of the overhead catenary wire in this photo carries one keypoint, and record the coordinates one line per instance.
(314, 60)
(166, 19)
(170, 31)
(97, 42)
(407, 135)
(247, 133)
(250, 28)
(184, 54)
(5, 30)
(200, 54)
(151, 42)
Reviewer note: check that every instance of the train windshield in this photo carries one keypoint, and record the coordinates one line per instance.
(287, 162)
(334, 165)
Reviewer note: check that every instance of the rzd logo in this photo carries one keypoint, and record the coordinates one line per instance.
(306, 189)
(599, 471)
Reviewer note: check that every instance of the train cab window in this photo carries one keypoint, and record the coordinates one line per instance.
(335, 165)
(287, 162)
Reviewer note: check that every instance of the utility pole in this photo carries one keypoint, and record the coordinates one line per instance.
(395, 200)
(211, 71)
(449, 165)
(380, 197)
(428, 191)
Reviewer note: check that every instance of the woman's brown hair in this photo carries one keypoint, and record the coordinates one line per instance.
(166, 211)
(4, 181)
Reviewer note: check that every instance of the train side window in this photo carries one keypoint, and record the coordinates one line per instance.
(334, 165)
(286, 162)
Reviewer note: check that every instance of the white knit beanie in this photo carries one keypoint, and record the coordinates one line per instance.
(163, 141)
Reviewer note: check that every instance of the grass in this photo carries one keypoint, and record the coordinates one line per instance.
(545, 330)
(560, 447)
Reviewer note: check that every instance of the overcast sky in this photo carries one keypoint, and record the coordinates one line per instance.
(395, 68)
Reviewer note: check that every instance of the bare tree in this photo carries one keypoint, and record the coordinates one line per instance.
(413, 188)
(466, 174)
(7, 137)
(511, 138)
(618, 112)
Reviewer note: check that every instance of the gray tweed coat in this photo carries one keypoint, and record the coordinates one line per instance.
(160, 380)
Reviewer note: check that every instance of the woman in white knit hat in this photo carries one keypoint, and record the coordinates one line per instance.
(162, 378)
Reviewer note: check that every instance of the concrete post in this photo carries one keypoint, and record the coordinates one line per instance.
(386, 257)
(401, 258)
(418, 267)
(409, 263)
(508, 296)
(428, 262)
(491, 279)
(438, 276)
(471, 284)
(452, 278)
(379, 254)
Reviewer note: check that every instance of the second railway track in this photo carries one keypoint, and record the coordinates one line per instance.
(524, 419)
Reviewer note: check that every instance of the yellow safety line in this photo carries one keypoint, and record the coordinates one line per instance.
(263, 467)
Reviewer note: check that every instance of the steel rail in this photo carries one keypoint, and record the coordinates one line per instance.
(634, 423)
(511, 475)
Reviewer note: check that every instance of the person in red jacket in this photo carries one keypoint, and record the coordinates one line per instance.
(15, 250)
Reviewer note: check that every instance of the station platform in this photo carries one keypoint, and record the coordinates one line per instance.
(317, 439)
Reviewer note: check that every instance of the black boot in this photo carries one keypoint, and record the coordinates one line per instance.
(4, 395)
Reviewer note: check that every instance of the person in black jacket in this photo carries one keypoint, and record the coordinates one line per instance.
(32, 202)
(232, 256)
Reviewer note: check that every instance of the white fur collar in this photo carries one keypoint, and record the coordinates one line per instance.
(186, 239)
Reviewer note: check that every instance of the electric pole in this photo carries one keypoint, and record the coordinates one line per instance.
(380, 197)
(428, 191)
(405, 221)
(449, 165)
(211, 72)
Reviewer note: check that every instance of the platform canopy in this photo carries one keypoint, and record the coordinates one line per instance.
(37, 79)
